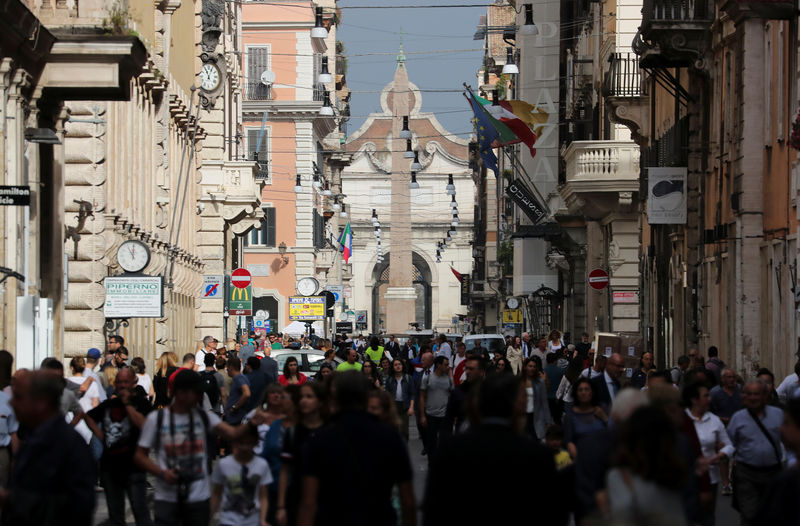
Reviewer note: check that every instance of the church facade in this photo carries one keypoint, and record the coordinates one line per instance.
(367, 182)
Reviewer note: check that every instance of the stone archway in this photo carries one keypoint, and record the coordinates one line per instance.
(421, 278)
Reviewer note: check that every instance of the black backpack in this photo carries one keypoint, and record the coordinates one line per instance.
(210, 386)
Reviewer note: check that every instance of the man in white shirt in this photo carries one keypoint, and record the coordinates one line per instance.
(790, 384)
(541, 350)
(526, 345)
(92, 357)
(597, 369)
(209, 346)
(444, 348)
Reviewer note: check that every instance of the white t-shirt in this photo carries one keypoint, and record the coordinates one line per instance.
(445, 350)
(190, 458)
(240, 504)
(145, 381)
(100, 389)
(86, 404)
(199, 359)
(262, 431)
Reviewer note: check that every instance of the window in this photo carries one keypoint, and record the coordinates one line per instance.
(263, 150)
(319, 230)
(265, 235)
(257, 63)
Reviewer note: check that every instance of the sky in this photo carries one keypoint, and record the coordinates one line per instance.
(423, 30)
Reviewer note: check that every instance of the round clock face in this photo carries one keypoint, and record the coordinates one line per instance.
(209, 77)
(512, 303)
(307, 286)
(133, 256)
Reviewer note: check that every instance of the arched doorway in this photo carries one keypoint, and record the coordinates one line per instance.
(421, 277)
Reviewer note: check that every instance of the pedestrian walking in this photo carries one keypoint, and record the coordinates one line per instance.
(714, 442)
(492, 449)
(291, 373)
(608, 384)
(434, 394)
(246, 349)
(584, 417)
(239, 485)
(755, 433)
(444, 348)
(514, 355)
(553, 375)
(257, 381)
(239, 393)
(639, 375)
(121, 418)
(166, 366)
(400, 388)
(537, 409)
(351, 364)
(779, 506)
(142, 378)
(213, 383)
(790, 385)
(209, 348)
(179, 436)
(9, 441)
(370, 371)
(333, 462)
(311, 412)
(725, 400)
(52, 481)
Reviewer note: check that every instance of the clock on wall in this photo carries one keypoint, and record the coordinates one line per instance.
(210, 77)
(307, 287)
(512, 303)
(133, 256)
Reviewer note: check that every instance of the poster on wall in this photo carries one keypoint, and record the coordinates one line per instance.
(666, 195)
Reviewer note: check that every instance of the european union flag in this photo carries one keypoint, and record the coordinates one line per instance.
(487, 134)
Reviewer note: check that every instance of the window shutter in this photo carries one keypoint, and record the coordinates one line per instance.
(252, 143)
(257, 63)
(269, 231)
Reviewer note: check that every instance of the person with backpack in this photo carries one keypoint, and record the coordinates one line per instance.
(256, 379)
(213, 383)
(179, 435)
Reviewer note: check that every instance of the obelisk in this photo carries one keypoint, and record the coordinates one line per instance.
(400, 295)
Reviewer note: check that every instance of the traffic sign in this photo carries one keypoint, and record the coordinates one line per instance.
(212, 287)
(240, 278)
(598, 279)
(337, 290)
(512, 316)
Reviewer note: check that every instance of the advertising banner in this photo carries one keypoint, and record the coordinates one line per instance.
(306, 308)
(666, 196)
(134, 297)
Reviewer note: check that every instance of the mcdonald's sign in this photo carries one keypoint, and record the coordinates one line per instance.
(240, 301)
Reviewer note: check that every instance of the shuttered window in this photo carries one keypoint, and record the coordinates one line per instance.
(263, 150)
(257, 63)
(264, 236)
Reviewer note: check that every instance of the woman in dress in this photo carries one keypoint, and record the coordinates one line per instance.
(311, 416)
(537, 411)
(514, 355)
(583, 417)
(166, 365)
(291, 373)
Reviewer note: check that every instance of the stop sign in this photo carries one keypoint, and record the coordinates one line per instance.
(240, 278)
(598, 279)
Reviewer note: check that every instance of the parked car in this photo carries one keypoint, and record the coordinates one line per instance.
(308, 359)
(494, 343)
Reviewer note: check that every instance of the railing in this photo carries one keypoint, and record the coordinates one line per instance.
(624, 77)
(256, 90)
(675, 10)
(319, 93)
(602, 161)
(262, 171)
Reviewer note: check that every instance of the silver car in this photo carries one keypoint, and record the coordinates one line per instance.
(308, 359)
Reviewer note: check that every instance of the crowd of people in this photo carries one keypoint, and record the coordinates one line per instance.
(225, 434)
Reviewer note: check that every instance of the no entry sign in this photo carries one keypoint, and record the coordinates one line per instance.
(240, 278)
(598, 279)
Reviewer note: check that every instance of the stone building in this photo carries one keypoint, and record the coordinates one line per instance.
(374, 181)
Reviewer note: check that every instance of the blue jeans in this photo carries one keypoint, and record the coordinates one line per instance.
(115, 488)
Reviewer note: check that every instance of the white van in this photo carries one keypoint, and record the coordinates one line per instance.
(494, 343)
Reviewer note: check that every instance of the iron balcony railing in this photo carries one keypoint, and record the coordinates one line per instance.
(256, 90)
(675, 10)
(624, 77)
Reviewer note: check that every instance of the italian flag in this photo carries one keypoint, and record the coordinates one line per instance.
(346, 242)
(524, 119)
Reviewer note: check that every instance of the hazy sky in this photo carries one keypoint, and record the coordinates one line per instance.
(426, 30)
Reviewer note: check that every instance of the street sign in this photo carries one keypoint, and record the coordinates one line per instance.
(626, 296)
(240, 301)
(512, 316)
(15, 196)
(212, 287)
(361, 320)
(138, 297)
(258, 323)
(598, 279)
(465, 288)
(306, 308)
(240, 278)
(337, 290)
(344, 327)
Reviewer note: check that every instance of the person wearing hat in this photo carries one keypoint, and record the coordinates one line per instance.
(93, 356)
(209, 347)
(179, 435)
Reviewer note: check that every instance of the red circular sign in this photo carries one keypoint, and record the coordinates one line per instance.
(598, 279)
(240, 278)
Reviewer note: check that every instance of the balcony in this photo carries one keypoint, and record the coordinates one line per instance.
(625, 94)
(256, 90)
(769, 9)
(234, 185)
(673, 33)
(601, 177)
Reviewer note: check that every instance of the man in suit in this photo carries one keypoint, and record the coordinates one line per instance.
(393, 348)
(490, 451)
(526, 345)
(269, 366)
(607, 385)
